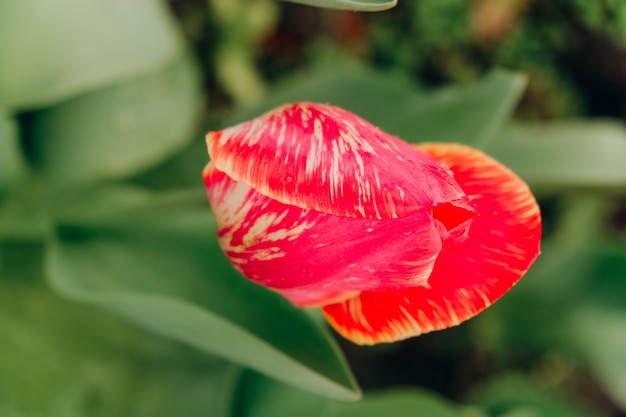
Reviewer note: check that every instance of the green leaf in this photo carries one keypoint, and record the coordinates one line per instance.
(181, 170)
(20, 261)
(359, 90)
(51, 51)
(119, 130)
(160, 266)
(62, 359)
(522, 412)
(565, 155)
(467, 114)
(596, 327)
(11, 163)
(24, 213)
(519, 393)
(396, 403)
(598, 333)
(259, 396)
(355, 5)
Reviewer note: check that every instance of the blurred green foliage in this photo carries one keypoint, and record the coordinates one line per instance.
(102, 208)
(456, 41)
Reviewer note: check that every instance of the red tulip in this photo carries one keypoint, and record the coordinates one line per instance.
(391, 240)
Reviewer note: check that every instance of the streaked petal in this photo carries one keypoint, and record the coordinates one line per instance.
(324, 158)
(314, 258)
(502, 243)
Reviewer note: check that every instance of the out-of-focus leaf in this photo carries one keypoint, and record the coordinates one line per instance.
(62, 359)
(469, 114)
(361, 91)
(522, 412)
(599, 332)
(11, 163)
(161, 267)
(355, 5)
(598, 328)
(237, 73)
(21, 261)
(562, 155)
(179, 171)
(518, 393)
(397, 403)
(23, 214)
(103, 203)
(609, 277)
(259, 396)
(119, 130)
(53, 50)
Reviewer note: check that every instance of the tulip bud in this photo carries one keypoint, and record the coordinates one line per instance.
(391, 240)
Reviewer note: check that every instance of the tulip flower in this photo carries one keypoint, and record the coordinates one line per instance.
(391, 240)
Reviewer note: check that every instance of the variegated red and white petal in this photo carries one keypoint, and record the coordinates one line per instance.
(502, 243)
(315, 258)
(320, 157)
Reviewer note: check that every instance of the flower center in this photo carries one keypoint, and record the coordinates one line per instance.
(453, 220)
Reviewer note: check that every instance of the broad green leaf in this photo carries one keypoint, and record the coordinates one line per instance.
(396, 403)
(522, 412)
(11, 163)
(160, 266)
(59, 358)
(181, 170)
(608, 284)
(24, 213)
(355, 5)
(519, 393)
(262, 397)
(597, 326)
(53, 50)
(20, 260)
(565, 155)
(119, 130)
(468, 114)
(359, 90)
(599, 333)
(259, 396)
(99, 205)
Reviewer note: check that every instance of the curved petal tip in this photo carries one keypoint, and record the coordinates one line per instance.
(501, 244)
(324, 158)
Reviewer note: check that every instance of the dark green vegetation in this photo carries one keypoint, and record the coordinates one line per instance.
(104, 222)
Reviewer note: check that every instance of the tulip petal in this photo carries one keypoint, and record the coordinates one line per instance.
(315, 258)
(502, 243)
(320, 157)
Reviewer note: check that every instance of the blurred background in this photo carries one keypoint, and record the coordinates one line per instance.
(114, 297)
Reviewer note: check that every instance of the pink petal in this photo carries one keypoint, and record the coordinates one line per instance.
(502, 243)
(324, 158)
(314, 258)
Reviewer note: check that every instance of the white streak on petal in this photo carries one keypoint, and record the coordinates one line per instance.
(338, 163)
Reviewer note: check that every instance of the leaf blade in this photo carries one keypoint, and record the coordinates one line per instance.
(354, 5)
(565, 155)
(95, 365)
(11, 162)
(121, 129)
(186, 290)
(37, 72)
(466, 114)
